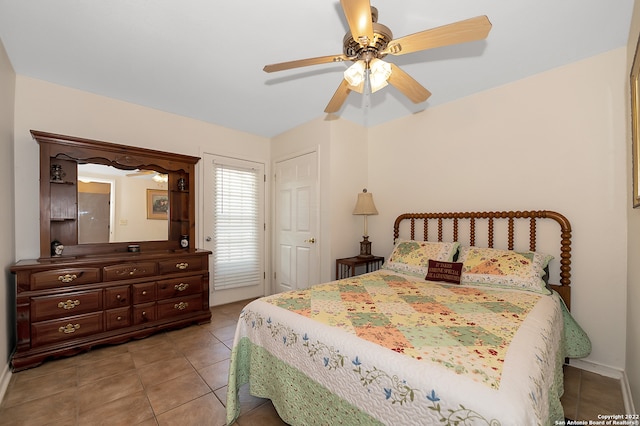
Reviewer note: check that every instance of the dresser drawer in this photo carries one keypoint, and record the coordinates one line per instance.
(118, 318)
(125, 271)
(116, 297)
(66, 328)
(187, 264)
(66, 304)
(179, 306)
(64, 277)
(143, 293)
(145, 313)
(179, 287)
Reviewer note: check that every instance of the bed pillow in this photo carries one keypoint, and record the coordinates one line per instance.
(504, 268)
(448, 272)
(412, 257)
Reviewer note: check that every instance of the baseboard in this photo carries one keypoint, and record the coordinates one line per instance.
(593, 367)
(626, 394)
(614, 373)
(5, 377)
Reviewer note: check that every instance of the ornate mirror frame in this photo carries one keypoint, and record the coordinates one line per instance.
(58, 196)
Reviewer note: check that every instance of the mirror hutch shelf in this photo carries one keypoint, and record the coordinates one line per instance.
(76, 296)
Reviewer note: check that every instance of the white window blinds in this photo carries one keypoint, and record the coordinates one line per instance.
(238, 226)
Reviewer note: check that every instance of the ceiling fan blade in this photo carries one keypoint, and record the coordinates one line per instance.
(408, 85)
(338, 98)
(458, 32)
(141, 172)
(304, 63)
(358, 14)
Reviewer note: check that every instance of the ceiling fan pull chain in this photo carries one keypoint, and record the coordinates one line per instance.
(366, 97)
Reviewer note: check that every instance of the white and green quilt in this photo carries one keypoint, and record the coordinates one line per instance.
(388, 348)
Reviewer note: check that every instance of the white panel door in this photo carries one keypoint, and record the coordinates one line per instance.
(296, 233)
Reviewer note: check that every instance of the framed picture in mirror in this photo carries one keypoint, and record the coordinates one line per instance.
(157, 204)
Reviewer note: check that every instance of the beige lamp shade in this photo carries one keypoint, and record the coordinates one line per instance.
(364, 205)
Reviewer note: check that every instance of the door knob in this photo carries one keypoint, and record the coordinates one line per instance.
(208, 239)
(310, 240)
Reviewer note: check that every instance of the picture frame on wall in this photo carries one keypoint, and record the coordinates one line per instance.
(635, 126)
(157, 204)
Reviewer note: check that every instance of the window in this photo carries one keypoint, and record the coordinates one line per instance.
(238, 224)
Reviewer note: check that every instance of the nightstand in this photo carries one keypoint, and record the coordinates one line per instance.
(346, 267)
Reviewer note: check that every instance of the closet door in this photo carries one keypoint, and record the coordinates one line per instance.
(296, 221)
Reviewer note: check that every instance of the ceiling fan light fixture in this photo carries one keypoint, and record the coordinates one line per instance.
(355, 73)
(160, 178)
(380, 71)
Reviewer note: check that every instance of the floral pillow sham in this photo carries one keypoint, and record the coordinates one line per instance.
(412, 257)
(504, 268)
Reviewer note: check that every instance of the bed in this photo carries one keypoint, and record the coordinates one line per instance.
(460, 326)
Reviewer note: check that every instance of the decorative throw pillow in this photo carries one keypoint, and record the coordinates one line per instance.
(448, 272)
(504, 268)
(412, 257)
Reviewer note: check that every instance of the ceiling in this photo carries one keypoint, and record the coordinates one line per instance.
(203, 59)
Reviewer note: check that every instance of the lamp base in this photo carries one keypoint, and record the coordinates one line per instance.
(365, 248)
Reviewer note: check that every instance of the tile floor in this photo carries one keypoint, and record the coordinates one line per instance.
(588, 394)
(180, 377)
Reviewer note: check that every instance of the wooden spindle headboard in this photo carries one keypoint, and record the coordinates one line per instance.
(420, 225)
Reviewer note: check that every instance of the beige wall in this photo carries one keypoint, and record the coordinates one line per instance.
(553, 141)
(57, 109)
(7, 253)
(633, 243)
(348, 176)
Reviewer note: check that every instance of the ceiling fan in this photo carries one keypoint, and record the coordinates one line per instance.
(367, 42)
(158, 177)
(141, 172)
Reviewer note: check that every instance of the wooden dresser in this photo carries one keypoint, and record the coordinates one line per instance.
(82, 292)
(70, 305)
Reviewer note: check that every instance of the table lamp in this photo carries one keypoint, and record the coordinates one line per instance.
(365, 207)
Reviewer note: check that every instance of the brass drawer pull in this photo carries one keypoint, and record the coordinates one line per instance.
(119, 318)
(182, 265)
(69, 328)
(67, 278)
(181, 286)
(134, 271)
(69, 304)
(144, 292)
(181, 306)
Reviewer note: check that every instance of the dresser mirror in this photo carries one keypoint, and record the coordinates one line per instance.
(99, 197)
(112, 204)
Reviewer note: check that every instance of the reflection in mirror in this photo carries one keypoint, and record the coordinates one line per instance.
(112, 205)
